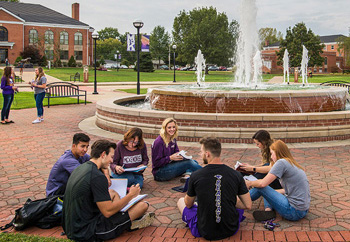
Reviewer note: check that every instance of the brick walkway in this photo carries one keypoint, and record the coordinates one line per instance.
(28, 152)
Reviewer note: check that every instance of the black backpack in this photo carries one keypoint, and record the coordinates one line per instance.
(44, 213)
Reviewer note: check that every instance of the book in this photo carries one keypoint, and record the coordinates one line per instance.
(238, 168)
(133, 202)
(183, 154)
(135, 169)
(250, 178)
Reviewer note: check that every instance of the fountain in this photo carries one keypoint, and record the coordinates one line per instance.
(200, 67)
(234, 112)
(304, 61)
(286, 66)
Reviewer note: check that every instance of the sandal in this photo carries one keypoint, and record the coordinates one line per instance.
(264, 215)
(4, 123)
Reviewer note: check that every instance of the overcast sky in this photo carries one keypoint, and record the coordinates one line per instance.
(324, 17)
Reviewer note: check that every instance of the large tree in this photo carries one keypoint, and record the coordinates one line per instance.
(207, 30)
(294, 41)
(108, 33)
(344, 46)
(159, 43)
(269, 36)
(108, 48)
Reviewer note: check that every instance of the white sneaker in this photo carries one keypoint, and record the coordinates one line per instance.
(143, 222)
(42, 119)
(36, 121)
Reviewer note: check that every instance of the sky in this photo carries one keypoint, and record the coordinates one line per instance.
(323, 17)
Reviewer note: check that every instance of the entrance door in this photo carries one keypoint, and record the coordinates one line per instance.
(3, 55)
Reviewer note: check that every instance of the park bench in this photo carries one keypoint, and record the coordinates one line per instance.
(75, 77)
(337, 84)
(63, 89)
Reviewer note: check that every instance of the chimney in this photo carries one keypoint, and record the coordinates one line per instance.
(75, 11)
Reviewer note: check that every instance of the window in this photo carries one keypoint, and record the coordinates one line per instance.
(49, 54)
(78, 55)
(64, 38)
(332, 47)
(49, 37)
(325, 60)
(78, 39)
(3, 34)
(33, 36)
(64, 54)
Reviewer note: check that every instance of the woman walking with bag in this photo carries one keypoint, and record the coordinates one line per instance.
(39, 85)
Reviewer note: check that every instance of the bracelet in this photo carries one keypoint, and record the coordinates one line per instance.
(254, 169)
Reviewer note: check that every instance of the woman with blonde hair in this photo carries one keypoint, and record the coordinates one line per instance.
(166, 162)
(39, 85)
(293, 201)
(130, 152)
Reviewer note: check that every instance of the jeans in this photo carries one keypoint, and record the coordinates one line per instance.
(133, 178)
(175, 169)
(8, 98)
(279, 202)
(39, 98)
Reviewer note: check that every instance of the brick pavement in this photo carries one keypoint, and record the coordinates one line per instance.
(28, 152)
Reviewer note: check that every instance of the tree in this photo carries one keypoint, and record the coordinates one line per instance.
(344, 46)
(146, 64)
(294, 41)
(108, 33)
(32, 52)
(72, 62)
(207, 30)
(159, 43)
(269, 36)
(108, 48)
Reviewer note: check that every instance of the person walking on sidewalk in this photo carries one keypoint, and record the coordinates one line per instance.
(8, 90)
(39, 85)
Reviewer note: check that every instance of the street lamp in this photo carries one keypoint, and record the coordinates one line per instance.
(174, 47)
(117, 60)
(138, 24)
(95, 37)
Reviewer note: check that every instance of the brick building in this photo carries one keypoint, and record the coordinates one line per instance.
(54, 34)
(332, 57)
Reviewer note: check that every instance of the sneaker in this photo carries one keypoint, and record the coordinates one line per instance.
(184, 179)
(36, 121)
(42, 119)
(264, 215)
(145, 221)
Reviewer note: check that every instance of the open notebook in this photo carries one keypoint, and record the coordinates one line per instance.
(120, 186)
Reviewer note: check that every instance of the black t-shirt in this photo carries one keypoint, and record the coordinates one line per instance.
(216, 188)
(86, 186)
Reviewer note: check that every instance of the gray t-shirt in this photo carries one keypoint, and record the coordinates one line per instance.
(42, 81)
(294, 182)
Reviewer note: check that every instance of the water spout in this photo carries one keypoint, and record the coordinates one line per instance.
(200, 67)
(304, 62)
(286, 66)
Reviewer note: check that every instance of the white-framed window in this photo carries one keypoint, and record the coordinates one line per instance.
(49, 54)
(64, 38)
(64, 54)
(332, 47)
(48, 37)
(33, 36)
(3, 34)
(78, 55)
(78, 38)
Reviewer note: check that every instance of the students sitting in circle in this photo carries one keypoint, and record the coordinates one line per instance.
(130, 152)
(293, 201)
(166, 162)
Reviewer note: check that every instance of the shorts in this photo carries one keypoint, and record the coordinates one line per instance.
(112, 227)
(189, 216)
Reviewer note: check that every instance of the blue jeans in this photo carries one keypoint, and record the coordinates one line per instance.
(39, 98)
(279, 202)
(8, 98)
(175, 169)
(133, 178)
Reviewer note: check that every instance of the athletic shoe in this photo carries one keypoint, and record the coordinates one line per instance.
(264, 215)
(42, 119)
(184, 179)
(36, 121)
(145, 221)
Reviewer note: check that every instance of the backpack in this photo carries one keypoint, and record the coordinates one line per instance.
(44, 213)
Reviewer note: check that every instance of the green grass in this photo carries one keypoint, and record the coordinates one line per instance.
(24, 100)
(17, 237)
(320, 78)
(134, 90)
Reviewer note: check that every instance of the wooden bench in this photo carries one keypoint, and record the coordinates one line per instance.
(75, 77)
(337, 84)
(63, 89)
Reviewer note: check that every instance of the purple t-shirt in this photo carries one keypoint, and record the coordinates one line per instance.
(6, 89)
(161, 154)
(123, 156)
(62, 169)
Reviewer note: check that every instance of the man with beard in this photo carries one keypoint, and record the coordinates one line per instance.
(216, 186)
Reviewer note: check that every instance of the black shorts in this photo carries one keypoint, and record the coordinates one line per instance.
(112, 227)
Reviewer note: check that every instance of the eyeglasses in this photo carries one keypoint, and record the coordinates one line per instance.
(134, 142)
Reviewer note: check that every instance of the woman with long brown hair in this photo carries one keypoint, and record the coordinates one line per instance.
(39, 85)
(293, 201)
(8, 90)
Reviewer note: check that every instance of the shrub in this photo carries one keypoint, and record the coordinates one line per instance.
(72, 62)
(32, 52)
(18, 59)
(57, 63)
(43, 61)
(102, 60)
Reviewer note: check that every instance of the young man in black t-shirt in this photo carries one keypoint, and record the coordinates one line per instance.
(91, 212)
(216, 187)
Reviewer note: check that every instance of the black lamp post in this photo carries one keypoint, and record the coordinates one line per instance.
(117, 60)
(174, 47)
(95, 37)
(138, 24)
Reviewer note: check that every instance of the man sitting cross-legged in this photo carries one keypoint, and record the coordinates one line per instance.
(65, 165)
(90, 211)
(216, 187)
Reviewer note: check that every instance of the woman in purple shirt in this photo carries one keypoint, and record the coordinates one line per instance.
(130, 152)
(166, 162)
(8, 90)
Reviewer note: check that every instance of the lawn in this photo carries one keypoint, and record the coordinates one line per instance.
(17, 237)
(24, 100)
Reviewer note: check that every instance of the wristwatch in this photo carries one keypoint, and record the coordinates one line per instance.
(254, 169)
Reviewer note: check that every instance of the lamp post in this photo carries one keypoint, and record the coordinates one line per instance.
(117, 60)
(174, 47)
(138, 24)
(95, 37)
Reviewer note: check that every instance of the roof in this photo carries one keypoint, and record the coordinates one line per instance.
(39, 14)
(330, 38)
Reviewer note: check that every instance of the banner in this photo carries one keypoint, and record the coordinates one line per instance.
(145, 43)
(130, 42)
